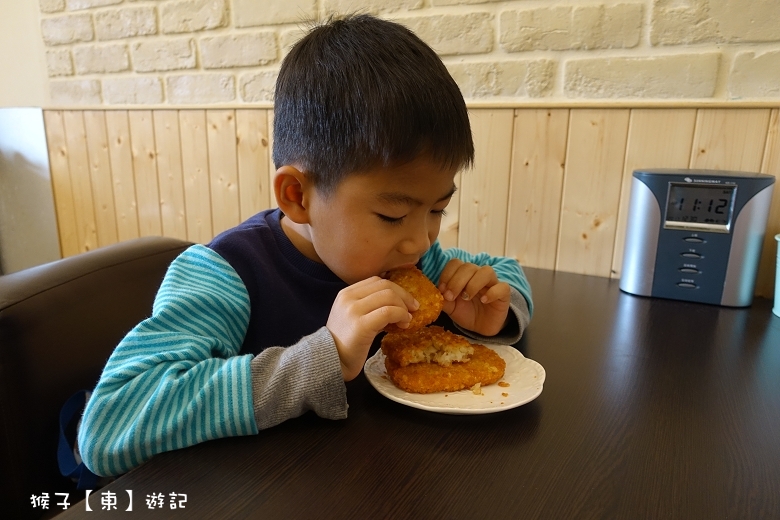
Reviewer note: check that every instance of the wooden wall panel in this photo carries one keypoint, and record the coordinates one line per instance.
(223, 169)
(64, 203)
(271, 165)
(538, 160)
(657, 138)
(100, 177)
(765, 281)
(591, 190)
(730, 139)
(550, 186)
(195, 168)
(483, 201)
(253, 161)
(78, 163)
(147, 191)
(170, 176)
(121, 157)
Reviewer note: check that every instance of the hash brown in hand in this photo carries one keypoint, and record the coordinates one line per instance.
(418, 285)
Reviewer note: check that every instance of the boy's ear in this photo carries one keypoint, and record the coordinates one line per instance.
(291, 189)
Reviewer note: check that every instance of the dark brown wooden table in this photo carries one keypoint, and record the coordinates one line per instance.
(651, 409)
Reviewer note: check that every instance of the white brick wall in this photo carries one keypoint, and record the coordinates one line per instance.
(203, 52)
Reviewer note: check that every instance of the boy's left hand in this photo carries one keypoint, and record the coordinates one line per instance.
(474, 298)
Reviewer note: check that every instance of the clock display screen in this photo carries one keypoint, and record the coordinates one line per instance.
(700, 206)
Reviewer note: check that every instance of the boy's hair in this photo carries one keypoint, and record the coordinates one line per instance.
(360, 92)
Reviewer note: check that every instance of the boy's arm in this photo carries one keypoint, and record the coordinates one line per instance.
(507, 270)
(176, 380)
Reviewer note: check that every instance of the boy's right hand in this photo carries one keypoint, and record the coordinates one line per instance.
(360, 312)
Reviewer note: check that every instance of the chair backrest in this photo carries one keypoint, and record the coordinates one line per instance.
(59, 322)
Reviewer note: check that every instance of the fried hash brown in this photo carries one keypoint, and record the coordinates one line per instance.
(419, 286)
(484, 367)
(428, 345)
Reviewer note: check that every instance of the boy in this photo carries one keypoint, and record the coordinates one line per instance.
(273, 316)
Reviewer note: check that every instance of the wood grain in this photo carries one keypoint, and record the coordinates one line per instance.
(765, 280)
(64, 203)
(550, 185)
(657, 138)
(483, 201)
(170, 175)
(100, 176)
(591, 191)
(223, 169)
(253, 162)
(730, 139)
(538, 161)
(78, 162)
(121, 157)
(271, 165)
(147, 191)
(195, 168)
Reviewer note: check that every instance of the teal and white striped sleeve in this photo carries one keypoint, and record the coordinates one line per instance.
(507, 270)
(176, 379)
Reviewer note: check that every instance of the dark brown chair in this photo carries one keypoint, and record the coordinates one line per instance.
(59, 322)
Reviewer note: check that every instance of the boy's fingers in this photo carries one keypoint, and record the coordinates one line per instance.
(459, 280)
(385, 298)
(449, 270)
(378, 319)
(410, 301)
(483, 277)
(500, 291)
(387, 289)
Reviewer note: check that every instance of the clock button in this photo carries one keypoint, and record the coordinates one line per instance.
(686, 285)
(691, 255)
(694, 239)
(689, 270)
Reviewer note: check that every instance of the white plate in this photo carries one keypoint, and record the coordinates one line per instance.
(525, 377)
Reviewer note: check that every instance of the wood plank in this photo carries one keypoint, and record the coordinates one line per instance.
(536, 185)
(483, 203)
(657, 138)
(223, 169)
(147, 191)
(100, 174)
(271, 165)
(169, 173)
(591, 190)
(121, 157)
(61, 185)
(765, 280)
(253, 162)
(78, 161)
(730, 139)
(195, 167)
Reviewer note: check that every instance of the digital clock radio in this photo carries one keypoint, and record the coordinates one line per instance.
(696, 235)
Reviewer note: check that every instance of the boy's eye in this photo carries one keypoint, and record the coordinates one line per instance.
(439, 212)
(390, 220)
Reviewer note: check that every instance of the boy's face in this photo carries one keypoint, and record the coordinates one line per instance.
(381, 219)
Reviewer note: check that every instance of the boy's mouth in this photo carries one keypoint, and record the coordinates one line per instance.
(402, 266)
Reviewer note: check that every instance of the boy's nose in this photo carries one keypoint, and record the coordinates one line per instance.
(416, 243)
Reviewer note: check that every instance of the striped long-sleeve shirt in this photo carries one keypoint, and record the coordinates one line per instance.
(236, 343)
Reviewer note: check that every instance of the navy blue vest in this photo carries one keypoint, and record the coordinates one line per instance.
(290, 295)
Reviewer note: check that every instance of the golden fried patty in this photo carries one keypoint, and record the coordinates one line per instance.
(485, 367)
(419, 286)
(427, 345)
